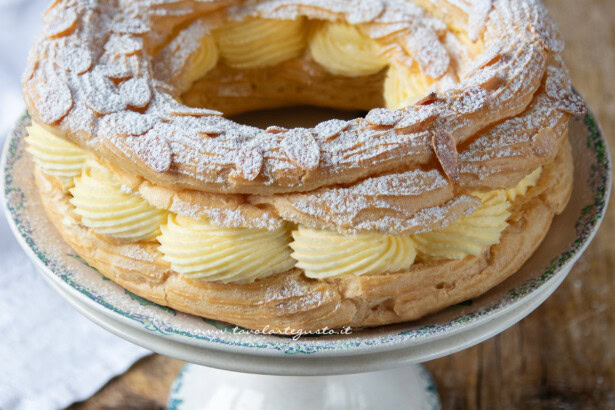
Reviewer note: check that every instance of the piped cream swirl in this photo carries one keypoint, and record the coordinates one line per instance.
(187, 57)
(255, 43)
(323, 254)
(204, 59)
(103, 206)
(404, 86)
(54, 155)
(198, 249)
(343, 50)
(469, 235)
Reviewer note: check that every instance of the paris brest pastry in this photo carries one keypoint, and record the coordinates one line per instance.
(443, 190)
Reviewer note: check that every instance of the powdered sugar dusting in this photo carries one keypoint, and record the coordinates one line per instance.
(127, 123)
(331, 128)
(394, 204)
(471, 101)
(123, 44)
(135, 92)
(355, 11)
(382, 116)
(301, 148)
(59, 21)
(429, 52)
(249, 162)
(154, 149)
(559, 89)
(53, 98)
(478, 16)
(93, 74)
(100, 94)
(77, 59)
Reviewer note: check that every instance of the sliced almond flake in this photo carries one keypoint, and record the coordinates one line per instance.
(572, 104)
(427, 99)
(53, 100)
(75, 59)
(60, 21)
(136, 92)
(383, 116)
(427, 50)
(117, 71)
(330, 129)
(130, 25)
(170, 105)
(301, 148)
(249, 162)
(123, 44)
(446, 150)
(194, 111)
(100, 94)
(415, 116)
(212, 129)
(274, 129)
(126, 123)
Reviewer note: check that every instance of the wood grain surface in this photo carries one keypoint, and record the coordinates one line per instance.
(560, 356)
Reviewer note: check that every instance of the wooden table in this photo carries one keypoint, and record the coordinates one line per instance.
(563, 354)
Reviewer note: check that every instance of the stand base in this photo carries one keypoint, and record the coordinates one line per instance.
(198, 387)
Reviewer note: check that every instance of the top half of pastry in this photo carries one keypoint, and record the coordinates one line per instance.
(475, 90)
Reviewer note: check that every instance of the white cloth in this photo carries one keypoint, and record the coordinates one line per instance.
(50, 356)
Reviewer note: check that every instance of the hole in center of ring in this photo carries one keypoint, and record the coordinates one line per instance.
(291, 117)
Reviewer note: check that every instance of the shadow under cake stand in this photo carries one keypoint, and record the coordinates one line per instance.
(370, 368)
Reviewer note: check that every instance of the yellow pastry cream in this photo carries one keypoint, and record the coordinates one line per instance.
(343, 50)
(469, 235)
(403, 86)
(472, 234)
(204, 59)
(54, 155)
(197, 249)
(524, 185)
(108, 209)
(256, 43)
(323, 254)
(201, 59)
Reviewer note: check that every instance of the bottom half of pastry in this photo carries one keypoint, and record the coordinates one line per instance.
(292, 299)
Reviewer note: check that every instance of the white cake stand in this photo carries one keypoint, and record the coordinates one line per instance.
(265, 369)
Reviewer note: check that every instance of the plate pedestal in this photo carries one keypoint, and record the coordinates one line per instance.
(198, 387)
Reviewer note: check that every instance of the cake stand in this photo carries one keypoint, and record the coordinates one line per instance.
(265, 368)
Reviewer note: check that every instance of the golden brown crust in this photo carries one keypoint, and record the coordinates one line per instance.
(91, 79)
(102, 76)
(292, 300)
